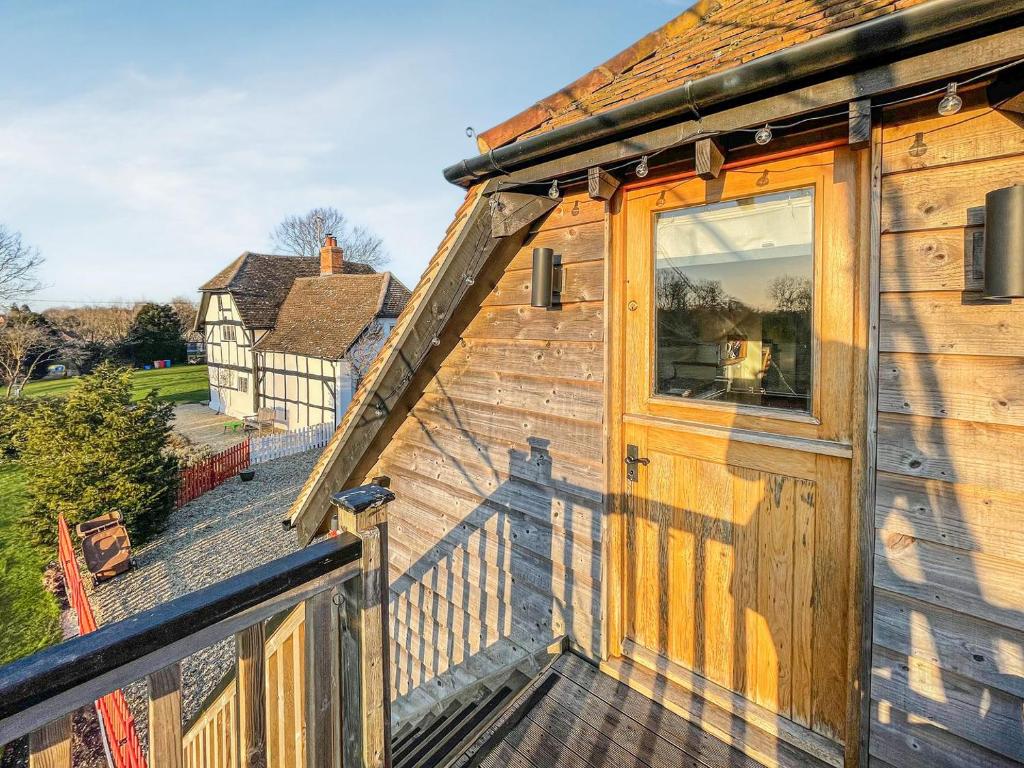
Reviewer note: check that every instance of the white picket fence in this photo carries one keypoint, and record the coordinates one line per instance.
(269, 447)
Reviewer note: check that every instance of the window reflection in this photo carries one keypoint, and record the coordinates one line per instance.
(733, 299)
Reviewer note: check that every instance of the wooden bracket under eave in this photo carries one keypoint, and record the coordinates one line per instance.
(1006, 92)
(708, 158)
(511, 211)
(860, 123)
(601, 185)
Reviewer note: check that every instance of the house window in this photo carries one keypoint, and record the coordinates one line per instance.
(228, 332)
(733, 300)
(243, 383)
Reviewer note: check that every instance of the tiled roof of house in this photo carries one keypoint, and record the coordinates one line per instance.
(709, 37)
(259, 283)
(323, 316)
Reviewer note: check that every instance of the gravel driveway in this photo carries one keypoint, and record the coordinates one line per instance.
(234, 527)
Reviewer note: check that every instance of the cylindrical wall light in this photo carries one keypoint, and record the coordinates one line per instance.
(1004, 242)
(547, 278)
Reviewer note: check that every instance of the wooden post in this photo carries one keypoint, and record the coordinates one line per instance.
(323, 682)
(601, 185)
(708, 158)
(165, 747)
(365, 638)
(860, 123)
(50, 746)
(252, 706)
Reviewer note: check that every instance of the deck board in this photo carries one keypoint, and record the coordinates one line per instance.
(579, 717)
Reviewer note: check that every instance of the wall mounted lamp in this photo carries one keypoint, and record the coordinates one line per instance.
(547, 278)
(1004, 243)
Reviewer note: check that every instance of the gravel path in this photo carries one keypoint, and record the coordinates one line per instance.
(234, 527)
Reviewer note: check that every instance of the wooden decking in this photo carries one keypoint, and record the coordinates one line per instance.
(575, 716)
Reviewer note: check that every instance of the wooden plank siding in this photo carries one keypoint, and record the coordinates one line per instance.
(495, 537)
(948, 618)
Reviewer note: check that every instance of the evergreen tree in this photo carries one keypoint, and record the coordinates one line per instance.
(95, 451)
(155, 334)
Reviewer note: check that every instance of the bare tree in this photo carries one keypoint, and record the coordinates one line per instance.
(364, 351)
(790, 293)
(23, 346)
(304, 235)
(187, 310)
(19, 264)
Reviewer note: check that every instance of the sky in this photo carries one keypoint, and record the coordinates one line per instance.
(143, 146)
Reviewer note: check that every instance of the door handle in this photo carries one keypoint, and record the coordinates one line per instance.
(633, 460)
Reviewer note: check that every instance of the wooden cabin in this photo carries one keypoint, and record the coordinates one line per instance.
(697, 444)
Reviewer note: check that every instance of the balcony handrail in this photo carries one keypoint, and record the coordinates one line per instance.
(58, 680)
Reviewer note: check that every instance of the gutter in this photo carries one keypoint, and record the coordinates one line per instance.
(923, 27)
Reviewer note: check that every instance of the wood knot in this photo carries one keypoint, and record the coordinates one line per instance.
(899, 542)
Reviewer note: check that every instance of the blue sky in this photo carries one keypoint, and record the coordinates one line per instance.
(145, 145)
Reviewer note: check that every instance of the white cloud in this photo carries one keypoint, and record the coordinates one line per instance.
(145, 187)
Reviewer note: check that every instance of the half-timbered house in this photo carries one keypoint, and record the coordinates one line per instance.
(293, 334)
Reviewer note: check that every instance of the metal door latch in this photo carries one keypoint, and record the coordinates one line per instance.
(633, 459)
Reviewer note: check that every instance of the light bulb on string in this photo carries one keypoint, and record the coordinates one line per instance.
(951, 102)
(553, 193)
(763, 135)
(435, 341)
(379, 410)
(642, 169)
(470, 133)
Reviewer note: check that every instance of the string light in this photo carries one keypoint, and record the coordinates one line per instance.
(379, 410)
(951, 102)
(470, 133)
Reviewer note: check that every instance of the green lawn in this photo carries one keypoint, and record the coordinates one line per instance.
(180, 384)
(29, 616)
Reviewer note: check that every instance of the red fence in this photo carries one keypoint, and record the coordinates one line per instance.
(211, 472)
(118, 723)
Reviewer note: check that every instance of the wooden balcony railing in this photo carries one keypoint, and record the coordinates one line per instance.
(339, 586)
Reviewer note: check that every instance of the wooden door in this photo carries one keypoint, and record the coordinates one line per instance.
(739, 355)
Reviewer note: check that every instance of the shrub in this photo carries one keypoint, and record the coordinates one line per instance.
(95, 451)
(13, 417)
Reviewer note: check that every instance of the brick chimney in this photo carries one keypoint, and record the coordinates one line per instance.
(332, 258)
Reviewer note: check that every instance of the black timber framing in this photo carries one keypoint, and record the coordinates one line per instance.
(914, 71)
(468, 255)
(303, 379)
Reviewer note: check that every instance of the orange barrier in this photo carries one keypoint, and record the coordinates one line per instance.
(118, 723)
(211, 472)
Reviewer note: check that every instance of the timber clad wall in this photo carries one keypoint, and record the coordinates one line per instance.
(495, 536)
(948, 661)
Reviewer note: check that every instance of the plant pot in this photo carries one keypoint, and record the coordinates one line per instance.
(247, 475)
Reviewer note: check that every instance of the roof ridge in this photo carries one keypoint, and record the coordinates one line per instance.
(385, 286)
